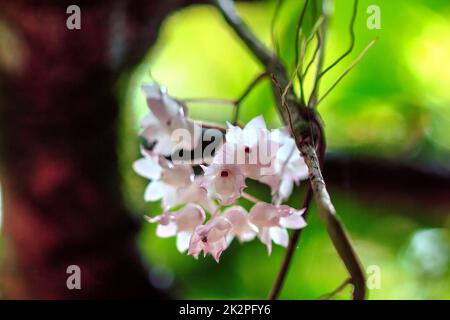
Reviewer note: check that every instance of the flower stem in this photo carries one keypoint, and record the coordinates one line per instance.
(250, 198)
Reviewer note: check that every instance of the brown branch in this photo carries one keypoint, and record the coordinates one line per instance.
(334, 227)
(305, 127)
(295, 238)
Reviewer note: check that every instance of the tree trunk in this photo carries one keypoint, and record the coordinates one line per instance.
(60, 180)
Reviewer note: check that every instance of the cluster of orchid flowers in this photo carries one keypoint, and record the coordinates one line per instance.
(252, 152)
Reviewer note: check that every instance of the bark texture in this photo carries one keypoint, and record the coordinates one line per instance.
(58, 121)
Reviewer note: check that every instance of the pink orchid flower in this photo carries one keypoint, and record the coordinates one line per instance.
(224, 182)
(272, 222)
(241, 226)
(250, 147)
(211, 238)
(166, 178)
(181, 223)
(289, 168)
(167, 116)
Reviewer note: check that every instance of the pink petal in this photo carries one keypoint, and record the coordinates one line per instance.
(189, 217)
(179, 175)
(194, 193)
(211, 238)
(218, 228)
(265, 238)
(294, 221)
(195, 245)
(224, 182)
(218, 248)
(264, 215)
(241, 227)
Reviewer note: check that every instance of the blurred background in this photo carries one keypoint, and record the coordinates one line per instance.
(388, 131)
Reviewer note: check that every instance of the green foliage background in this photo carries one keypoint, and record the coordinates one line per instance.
(394, 105)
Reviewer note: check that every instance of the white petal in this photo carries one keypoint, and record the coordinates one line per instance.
(170, 198)
(183, 239)
(153, 132)
(287, 150)
(279, 136)
(279, 235)
(148, 120)
(152, 90)
(166, 231)
(247, 236)
(286, 188)
(155, 191)
(165, 145)
(147, 168)
(173, 108)
(233, 134)
(256, 123)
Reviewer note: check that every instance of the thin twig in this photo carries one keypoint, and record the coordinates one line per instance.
(313, 58)
(352, 41)
(235, 103)
(244, 95)
(299, 66)
(347, 70)
(321, 51)
(304, 48)
(275, 43)
(298, 32)
(337, 290)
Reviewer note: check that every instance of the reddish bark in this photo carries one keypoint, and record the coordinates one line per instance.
(61, 187)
